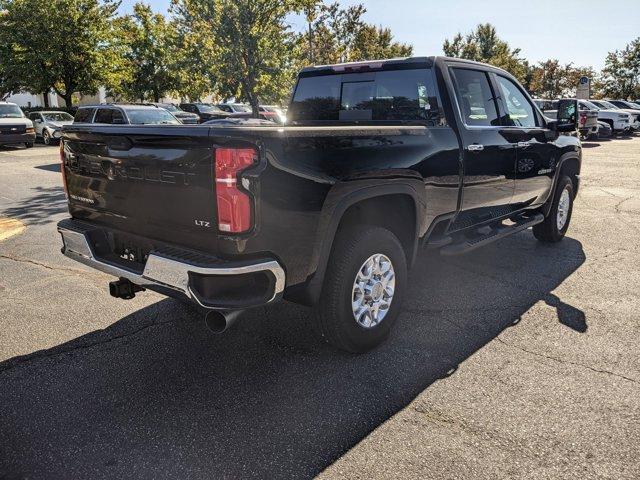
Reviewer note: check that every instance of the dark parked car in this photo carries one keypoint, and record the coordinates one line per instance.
(604, 130)
(273, 113)
(205, 111)
(122, 114)
(240, 110)
(234, 107)
(185, 117)
(379, 160)
(231, 121)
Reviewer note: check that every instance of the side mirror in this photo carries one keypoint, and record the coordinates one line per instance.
(567, 119)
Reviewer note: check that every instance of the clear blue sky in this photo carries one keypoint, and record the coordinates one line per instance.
(578, 31)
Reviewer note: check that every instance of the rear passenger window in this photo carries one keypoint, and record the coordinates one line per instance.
(519, 110)
(475, 97)
(117, 117)
(317, 98)
(389, 95)
(84, 115)
(393, 95)
(104, 115)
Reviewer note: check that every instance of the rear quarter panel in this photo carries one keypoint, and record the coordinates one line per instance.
(309, 171)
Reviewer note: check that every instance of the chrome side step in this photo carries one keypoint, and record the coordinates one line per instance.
(466, 244)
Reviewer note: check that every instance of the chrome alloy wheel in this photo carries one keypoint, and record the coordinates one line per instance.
(373, 290)
(563, 209)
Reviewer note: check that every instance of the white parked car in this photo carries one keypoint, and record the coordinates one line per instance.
(49, 125)
(618, 120)
(634, 118)
(631, 108)
(15, 128)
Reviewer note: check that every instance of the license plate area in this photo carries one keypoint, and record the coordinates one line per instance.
(129, 251)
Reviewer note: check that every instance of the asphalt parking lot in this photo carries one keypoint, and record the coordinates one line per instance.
(520, 360)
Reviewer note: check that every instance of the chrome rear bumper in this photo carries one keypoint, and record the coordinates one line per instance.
(164, 271)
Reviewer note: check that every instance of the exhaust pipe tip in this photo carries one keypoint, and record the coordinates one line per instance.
(219, 322)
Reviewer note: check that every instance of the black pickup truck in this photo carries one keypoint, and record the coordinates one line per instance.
(377, 160)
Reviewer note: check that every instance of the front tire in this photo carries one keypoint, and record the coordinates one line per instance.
(363, 289)
(28, 144)
(46, 137)
(556, 223)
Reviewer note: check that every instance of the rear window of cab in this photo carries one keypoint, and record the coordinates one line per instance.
(390, 95)
(84, 115)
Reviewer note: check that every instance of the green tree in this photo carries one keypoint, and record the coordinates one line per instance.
(60, 44)
(150, 49)
(194, 64)
(337, 35)
(252, 45)
(9, 81)
(21, 68)
(621, 73)
(484, 45)
(373, 43)
(549, 79)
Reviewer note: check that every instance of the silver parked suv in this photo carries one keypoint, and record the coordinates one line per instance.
(49, 125)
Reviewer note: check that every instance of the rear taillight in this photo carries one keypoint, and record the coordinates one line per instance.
(64, 177)
(234, 205)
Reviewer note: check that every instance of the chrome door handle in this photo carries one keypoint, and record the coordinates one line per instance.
(475, 147)
(523, 144)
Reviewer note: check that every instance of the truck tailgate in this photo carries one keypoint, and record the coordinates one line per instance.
(591, 119)
(156, 183)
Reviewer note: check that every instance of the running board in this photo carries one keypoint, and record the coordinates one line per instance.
(467, 244)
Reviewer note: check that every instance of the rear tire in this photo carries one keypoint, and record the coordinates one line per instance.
(28, 144)
(46, 137)
(556, 223)
(348, 278)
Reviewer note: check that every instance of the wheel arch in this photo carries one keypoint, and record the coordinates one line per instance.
(570, 164)
(363, 205)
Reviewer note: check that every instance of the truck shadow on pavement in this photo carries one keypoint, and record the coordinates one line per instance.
(40, 207)
(49, 167)
(157, 396)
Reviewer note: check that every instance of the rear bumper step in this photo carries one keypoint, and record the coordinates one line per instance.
(465, 244)
(208, 281)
